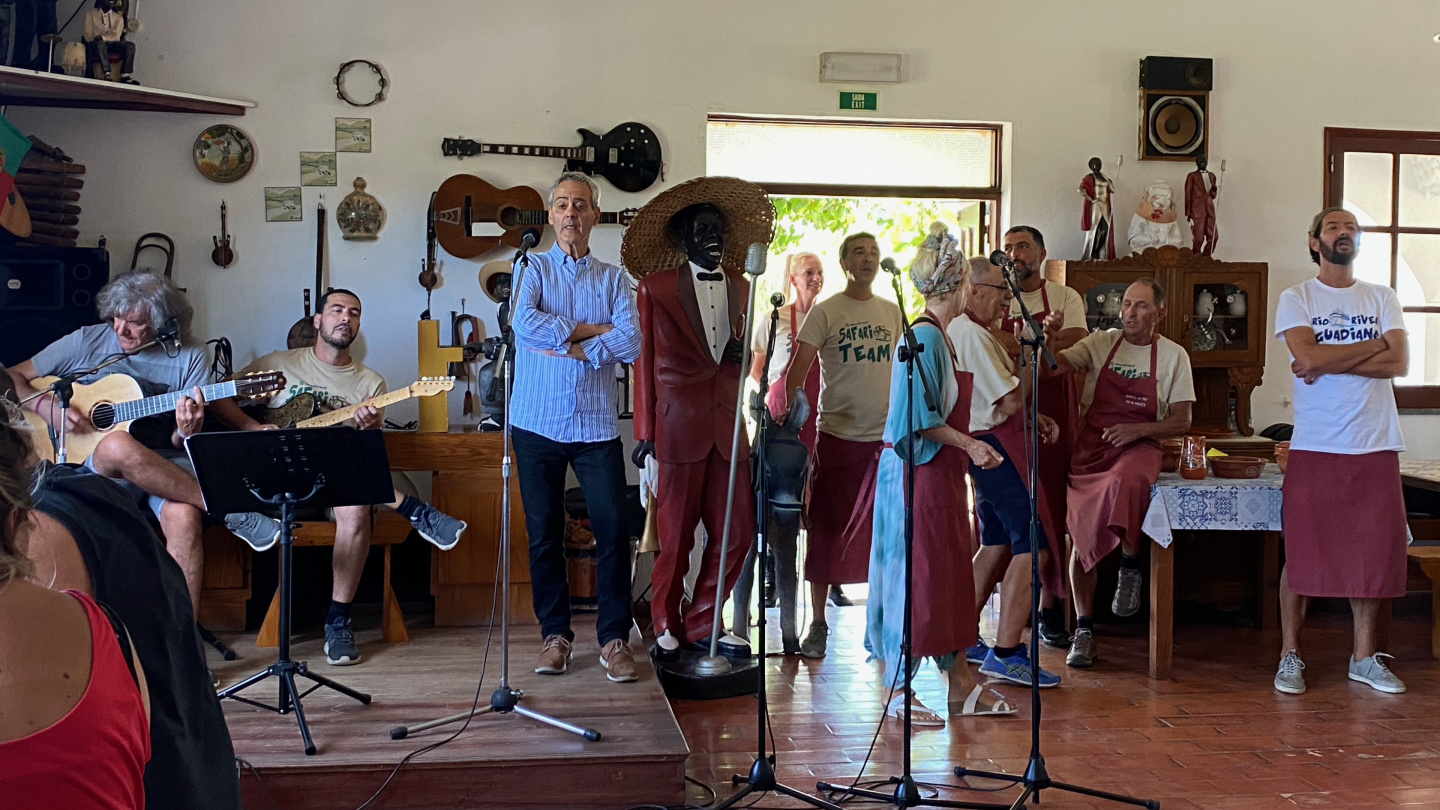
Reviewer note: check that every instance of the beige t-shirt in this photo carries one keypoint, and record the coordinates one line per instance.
(980, 353)
(857, 345)
(333, 387)
(1061, 298)
(1172, 367)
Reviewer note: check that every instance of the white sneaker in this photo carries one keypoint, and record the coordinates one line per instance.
(1289, 680)
(1373, 671)
(1127, 593)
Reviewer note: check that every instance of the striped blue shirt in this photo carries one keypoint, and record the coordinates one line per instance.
(563, 399)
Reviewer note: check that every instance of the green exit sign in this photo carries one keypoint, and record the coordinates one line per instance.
(858, 101)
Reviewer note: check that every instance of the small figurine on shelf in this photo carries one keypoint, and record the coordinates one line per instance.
(112, 56)
(1155, 221)
(360, 215)
(1095, 218)
(1200, 193)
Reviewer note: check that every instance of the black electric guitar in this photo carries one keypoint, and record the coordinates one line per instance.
(628, 155)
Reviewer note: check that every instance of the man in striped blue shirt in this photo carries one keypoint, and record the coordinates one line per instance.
(574, 319)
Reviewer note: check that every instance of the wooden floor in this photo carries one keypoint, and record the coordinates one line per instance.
(1217, 736)
(500, 760)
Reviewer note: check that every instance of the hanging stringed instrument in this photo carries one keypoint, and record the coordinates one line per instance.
(301, 410)
(464, 201)
(628, 155)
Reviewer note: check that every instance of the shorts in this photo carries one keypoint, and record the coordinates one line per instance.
(177, 457)
(1002, 502)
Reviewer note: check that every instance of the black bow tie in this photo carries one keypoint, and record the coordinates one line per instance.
(710, 276)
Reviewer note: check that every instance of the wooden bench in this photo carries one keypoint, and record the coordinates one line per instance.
(1428, 558)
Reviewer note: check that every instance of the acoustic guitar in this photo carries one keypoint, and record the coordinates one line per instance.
(465, 200)
(300, 411)
(114, 401)
(628, 155)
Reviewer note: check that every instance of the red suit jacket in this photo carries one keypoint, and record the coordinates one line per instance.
(1199, 203)
(684, 400)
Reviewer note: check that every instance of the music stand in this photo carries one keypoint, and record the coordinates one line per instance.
(273, 472)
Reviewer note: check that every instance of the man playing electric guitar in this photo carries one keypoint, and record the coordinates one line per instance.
(150, 459)
(327, 371)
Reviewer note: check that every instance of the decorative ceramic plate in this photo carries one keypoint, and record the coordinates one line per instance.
(224, 154)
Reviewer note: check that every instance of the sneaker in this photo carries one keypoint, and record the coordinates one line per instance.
(1082, 649)
(1016, 669)
(976, 654)
(838, 597)
(813, 645)
(555, 657)
(1374, 672)
(619, 664)
(257, 530)
(214, 679)
(439, 528)
(340, 649)
(1289, 680)
(1127, 593)
(1054, 635)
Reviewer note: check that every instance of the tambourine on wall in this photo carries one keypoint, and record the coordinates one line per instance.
(354, 83)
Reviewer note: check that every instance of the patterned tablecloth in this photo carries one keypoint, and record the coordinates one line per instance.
(1225, 504)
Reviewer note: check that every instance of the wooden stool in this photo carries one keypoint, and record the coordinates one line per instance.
(390, 529)
(1428, 558)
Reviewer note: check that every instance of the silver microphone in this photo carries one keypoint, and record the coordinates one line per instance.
(889, 266)
(756, 257)
(777, 300)
(999, 259)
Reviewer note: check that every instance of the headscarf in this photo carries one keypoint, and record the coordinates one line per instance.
(938, 266)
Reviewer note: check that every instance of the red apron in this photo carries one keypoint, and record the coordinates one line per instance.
(1109, 485)
(943, 610)
(1011, 435)
(1332, 548)
(1059, 400)
(808, 434)
(842, 510)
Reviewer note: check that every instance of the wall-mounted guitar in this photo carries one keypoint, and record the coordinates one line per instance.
(464, 200)
(115, 400)
(628, 155)
(300, 411)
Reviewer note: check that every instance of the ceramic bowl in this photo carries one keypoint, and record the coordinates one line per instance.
(1237, 466)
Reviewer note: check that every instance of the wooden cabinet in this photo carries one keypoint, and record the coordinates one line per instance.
(1215, 310)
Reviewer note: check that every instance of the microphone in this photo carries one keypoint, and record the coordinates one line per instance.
(889, 265)
(528, 240)
(755, 259)
(999, 259)
(168, 336)
(777, 300)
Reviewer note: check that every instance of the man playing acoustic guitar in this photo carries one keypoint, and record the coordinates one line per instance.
(336, 380)
(149, 460)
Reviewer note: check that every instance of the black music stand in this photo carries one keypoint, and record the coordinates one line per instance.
(273, 472)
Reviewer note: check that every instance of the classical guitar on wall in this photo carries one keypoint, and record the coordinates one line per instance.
(465, 200)
(300, 411)
(114, 401)
(628, 155)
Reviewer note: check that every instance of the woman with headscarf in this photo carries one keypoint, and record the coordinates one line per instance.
(943, 614)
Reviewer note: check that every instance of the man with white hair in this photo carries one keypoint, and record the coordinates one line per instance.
(150, 458)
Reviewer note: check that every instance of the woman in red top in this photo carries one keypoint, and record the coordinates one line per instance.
(74, 721)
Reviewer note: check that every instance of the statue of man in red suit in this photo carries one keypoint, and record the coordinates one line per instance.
(687, 381)
(1200, 193)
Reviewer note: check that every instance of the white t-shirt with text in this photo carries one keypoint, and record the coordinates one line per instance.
(857, 342)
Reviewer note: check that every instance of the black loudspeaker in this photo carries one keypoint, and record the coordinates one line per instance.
(45, 294)
(1177, 73)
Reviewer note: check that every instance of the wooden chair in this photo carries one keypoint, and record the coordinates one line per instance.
(390, 529)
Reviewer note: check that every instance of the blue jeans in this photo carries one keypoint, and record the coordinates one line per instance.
(600, 467)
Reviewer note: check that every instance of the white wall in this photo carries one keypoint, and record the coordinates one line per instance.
(1063, 75)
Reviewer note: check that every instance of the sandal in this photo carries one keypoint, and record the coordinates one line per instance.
(921, 716)
(971, 707)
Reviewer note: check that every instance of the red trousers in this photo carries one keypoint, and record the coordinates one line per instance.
(686, 495)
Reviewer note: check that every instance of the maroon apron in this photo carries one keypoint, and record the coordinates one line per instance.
(1333, 549)
(1011, 436)
(1059, 400)
(1109, 485)
(943, 609)
(808, 433)
(842, 510)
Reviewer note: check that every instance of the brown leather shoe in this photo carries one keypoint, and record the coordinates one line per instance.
(619, 664)
(555, 658)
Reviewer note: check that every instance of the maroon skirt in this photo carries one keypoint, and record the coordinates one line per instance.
(1345, 529)
(842, 510)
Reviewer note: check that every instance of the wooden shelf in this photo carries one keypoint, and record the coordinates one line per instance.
(30, 88)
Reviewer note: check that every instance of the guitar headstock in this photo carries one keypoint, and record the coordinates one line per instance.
(430, 386)
(626, 216)
(259, 384)
(459, 147)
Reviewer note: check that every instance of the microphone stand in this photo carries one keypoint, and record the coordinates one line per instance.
(1036, 778)
(64, 389)
(504, 700)
(907, 790)
(762, 772)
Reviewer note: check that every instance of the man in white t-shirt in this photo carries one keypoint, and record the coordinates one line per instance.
(1348, 341)
(854, 335)
(1138, 390)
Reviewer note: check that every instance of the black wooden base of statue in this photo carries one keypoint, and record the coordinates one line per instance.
(680, 680)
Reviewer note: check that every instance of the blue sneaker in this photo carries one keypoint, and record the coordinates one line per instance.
(340, 649)
(1016, 669)
(977, 653)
